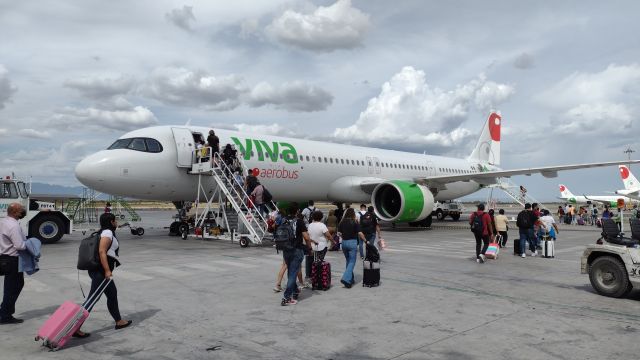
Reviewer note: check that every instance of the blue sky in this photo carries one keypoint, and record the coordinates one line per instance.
(412, 75)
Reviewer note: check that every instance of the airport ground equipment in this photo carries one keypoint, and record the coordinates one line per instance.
(513, 190)
(42, 220)
(448, 208)
(228, 211)
(613, 263)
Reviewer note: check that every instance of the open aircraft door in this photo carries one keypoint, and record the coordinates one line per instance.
(370, 164)
(184, 146)
(376, 162)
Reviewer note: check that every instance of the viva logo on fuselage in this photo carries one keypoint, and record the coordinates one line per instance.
(265, 151)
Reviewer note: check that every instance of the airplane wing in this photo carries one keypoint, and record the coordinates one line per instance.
(600, 201)
(490, 177)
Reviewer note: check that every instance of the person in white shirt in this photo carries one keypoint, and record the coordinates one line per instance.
(549, 223)
(108, 254)
(12, 239)
(320, 235)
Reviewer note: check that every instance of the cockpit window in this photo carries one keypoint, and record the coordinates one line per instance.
(8, 191)
(120, 144)
(153, 145)
(138, 144)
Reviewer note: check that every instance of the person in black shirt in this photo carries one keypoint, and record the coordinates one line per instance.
(213, 142)
(251, 181)
(293, 258)
(349, 230)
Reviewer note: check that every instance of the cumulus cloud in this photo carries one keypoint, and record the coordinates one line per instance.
(339, 26)
(616, 82)
(181, 18)
(179, 86)
(409, 111)
(523, 61)
(7, 89)
(100, 88)
(4, 132)
(121, 120)
(294, 96)
(34, 134)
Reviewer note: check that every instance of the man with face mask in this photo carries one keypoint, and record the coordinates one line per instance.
(12, 239)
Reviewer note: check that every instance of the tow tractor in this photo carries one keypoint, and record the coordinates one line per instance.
(42, 220)
(613, 263)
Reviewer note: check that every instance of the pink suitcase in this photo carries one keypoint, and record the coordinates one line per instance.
(67, 319)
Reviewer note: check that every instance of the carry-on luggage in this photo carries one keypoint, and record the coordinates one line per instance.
(548, 247)
(580, 221)
(516, 247)
(68, 319)
(567, 219)
(308, 262)
(492, 250)
(371, 274)
(320, 274)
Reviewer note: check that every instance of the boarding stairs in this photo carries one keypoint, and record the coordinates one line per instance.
(83, 210)
(119, 204)
(513, 191)
(241, 215)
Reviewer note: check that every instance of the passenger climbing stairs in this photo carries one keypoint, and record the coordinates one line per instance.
(228, 200)
(515, 192)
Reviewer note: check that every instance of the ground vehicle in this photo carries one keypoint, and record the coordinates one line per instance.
(443, 209)
(613, 269)
(42, 221)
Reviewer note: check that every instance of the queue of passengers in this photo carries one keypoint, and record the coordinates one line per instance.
(533, 225)
(315, 235)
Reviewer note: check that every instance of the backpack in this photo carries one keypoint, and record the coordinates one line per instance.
(285, 235)
(366, 223)
(266, 195)
(88, 257)
(477, 226)
(524, 220)
(307, 217)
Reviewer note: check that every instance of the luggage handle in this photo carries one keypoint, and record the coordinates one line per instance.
(93, 298)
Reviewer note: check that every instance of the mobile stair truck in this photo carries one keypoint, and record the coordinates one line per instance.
(42, 220)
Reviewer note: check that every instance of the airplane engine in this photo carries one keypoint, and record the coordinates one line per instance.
(402, 201)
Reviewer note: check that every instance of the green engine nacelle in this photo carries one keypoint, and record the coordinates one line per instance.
(402, 201)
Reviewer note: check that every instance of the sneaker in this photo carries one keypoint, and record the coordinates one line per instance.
(535, 253)
(523, 255)
(307, 284)
(277, 289)
(482, 258)
(286, 302)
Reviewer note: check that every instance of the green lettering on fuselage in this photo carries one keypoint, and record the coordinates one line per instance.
(272, 152)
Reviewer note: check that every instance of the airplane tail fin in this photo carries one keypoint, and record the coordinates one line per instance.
(630, 181)
(487, 149)
(564, 192)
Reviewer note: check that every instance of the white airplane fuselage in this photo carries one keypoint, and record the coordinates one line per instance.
(319, 170)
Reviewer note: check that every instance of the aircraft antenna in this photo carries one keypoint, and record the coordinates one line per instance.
(629, 151)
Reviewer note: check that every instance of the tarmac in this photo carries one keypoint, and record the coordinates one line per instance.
(210, 299)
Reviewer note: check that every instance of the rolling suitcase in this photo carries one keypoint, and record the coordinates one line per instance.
(320, 274)
(492, 250)
(516, 247)
(548, 247)
(67, 319)
(371, 274)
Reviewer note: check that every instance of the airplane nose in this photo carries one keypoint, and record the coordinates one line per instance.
(91, 171)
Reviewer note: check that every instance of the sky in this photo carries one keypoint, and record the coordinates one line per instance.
(419, 76)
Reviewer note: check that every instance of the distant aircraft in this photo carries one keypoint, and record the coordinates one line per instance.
(156, 162)
(631, 184)
(567, 195)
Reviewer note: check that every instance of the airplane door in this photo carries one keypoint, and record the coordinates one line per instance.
(184, 146)
(370, 164)
(376, 162)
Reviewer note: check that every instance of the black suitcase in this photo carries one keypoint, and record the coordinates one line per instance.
(308, 261)
(371, 274)
(516, 247)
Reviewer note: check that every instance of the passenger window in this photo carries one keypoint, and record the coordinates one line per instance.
(325, 160)
(138, 144)
(342, 161)
(120, 144)
(313, 158)
(301, 158)
(153, 145)
(377, 164)
(331, 160)
(308, 158)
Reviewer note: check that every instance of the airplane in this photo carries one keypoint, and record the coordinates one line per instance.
(631, 184)
(607, 200)
(155, 163)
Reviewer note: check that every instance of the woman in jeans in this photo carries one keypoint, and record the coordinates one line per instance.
(108, 253)
(349, 229)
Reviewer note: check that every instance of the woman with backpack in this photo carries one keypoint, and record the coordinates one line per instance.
(349, 230)
(482, 230)
(108, 254)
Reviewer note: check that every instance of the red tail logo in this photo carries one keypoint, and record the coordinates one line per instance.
(562, 188)
(494, 126)
(624, 172)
